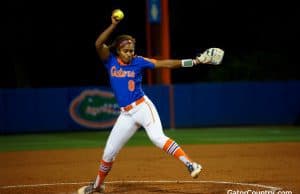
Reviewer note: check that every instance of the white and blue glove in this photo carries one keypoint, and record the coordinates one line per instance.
(212, 56)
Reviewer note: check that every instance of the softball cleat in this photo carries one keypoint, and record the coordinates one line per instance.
(194, 169)
(89, 189)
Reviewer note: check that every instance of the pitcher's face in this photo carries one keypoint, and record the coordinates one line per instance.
(126, 52)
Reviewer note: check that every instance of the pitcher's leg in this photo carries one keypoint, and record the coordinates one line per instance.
(122, 131)
(149, 119)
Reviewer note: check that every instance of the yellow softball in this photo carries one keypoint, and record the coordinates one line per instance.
(118, 14)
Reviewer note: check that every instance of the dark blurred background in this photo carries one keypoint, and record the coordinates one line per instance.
(51, 44)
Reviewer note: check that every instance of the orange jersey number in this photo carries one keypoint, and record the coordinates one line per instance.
(131, 85)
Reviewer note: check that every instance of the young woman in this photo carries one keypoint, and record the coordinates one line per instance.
(125, 72)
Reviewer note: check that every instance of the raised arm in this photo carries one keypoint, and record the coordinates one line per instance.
(101, 47)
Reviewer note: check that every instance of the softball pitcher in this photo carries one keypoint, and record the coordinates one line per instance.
(125, 73)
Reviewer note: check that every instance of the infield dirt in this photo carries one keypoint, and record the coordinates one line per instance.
(267, 164)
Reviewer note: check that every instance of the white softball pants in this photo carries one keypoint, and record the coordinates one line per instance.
(145, 115)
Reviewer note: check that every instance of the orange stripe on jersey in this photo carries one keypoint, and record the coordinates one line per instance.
(121, 62)
(151, 111)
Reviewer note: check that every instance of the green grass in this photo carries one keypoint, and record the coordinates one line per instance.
(95, 139)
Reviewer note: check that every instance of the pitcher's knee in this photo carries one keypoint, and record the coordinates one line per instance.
(159, 141)
(109, 154)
